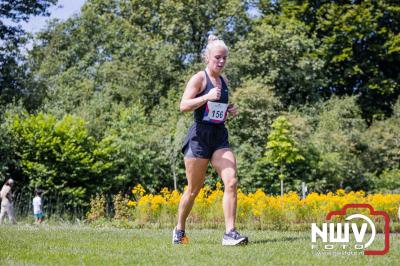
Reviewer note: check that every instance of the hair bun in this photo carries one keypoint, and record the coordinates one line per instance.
(212, 38)
(213, 41)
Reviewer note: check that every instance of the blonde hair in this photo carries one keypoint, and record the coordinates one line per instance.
(213, 41)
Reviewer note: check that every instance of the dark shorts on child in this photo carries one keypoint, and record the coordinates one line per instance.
(203, 140)
(39, 215)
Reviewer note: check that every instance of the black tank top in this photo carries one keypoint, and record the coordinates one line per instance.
(200, 112)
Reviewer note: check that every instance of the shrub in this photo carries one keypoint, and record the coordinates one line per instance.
(97, 208)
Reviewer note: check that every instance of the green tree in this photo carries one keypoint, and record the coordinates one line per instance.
(130, 51)
(6, 152)
(280, 55)
(359, 43)
(387, 182)
(258, 108)
(186, 24)
(383, 150)
(337, 138)
(60, 156)
(381, 157)
(142, 149)
(15, 80)
(303, 123)
(281, 148)
(122, 66)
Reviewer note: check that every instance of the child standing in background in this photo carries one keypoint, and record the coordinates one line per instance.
(37, 207)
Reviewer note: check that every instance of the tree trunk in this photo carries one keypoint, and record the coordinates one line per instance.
(174, 174)
(281, 178)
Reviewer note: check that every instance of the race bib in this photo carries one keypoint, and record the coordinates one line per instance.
(215, 112)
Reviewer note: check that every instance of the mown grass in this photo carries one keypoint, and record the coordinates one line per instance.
(84, 245)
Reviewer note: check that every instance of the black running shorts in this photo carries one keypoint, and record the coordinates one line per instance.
(203, 140)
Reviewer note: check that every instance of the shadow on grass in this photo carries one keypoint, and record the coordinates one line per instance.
(275, 240)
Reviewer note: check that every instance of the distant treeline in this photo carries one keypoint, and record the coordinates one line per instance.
(93, 107)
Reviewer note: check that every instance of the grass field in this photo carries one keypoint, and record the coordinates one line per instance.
(83, 245)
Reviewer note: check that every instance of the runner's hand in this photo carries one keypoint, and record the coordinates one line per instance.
(214, 94)
(232, 109)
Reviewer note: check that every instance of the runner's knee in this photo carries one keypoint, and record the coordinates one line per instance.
(192, 192)
(231, 184)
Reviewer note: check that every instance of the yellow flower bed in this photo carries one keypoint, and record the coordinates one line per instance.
(256, 209)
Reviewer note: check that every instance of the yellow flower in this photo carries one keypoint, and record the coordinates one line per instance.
(138, 191)
(256, 207)
(131, 203)
(340, 192)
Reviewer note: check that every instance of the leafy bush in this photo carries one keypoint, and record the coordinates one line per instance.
(60, 156)
(121, 208)
(97, 208)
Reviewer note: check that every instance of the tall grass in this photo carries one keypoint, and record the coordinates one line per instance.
(55, 206)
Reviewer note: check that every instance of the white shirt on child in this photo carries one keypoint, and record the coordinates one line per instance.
(37, 205)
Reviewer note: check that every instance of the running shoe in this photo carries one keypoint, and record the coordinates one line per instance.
(179, 237)
(233, 238)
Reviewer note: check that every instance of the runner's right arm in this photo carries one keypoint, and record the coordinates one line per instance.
(189, 100)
